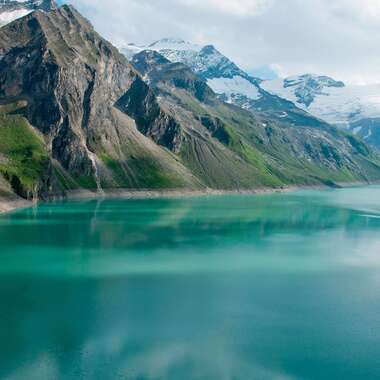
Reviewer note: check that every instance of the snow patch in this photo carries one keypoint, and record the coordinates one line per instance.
(130, 50)
(234, 85)
(174, 44)
(336, 105)
(7, 17)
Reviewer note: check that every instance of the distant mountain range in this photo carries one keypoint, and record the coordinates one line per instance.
(225, 78)
(76, 114)
(356, 108)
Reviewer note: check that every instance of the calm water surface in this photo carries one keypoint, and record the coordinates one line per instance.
(282, 286)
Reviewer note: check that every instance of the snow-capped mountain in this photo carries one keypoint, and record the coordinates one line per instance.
(204, 60)
(222, 75)
(356, 107)
(225, 78)
(11, 10)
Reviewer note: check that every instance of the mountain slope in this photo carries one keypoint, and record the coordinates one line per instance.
(273, 152)
(67, 79)
(11, 10)
(354, 107)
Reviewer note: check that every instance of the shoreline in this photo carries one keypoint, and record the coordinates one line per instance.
(14, 203)
(11, 204)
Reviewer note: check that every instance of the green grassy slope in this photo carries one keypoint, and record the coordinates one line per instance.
(23, 156)
(274, 153)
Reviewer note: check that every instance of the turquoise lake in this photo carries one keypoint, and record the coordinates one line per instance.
(282, 286)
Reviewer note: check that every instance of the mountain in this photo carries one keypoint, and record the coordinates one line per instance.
(60, 129)
(76, 114)
(270, 152)
(221, 74)
(356, 107)
(11, 10)
(225, 78)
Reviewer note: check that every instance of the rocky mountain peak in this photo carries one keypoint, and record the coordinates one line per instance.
(308, 86)
(314, 81)
(173, 44)
(205, 61)
(210, 49)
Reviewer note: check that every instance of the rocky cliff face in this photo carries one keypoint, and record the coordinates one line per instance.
(70, 80)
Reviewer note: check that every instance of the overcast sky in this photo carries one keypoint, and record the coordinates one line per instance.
(340, 38)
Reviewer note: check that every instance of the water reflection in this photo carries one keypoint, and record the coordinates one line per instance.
(190, 327)
(239, 287)
(173, 235)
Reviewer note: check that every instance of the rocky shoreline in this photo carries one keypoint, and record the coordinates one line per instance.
(8, 204)
(11, 204)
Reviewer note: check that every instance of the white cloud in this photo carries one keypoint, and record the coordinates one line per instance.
(243, 8)
(332, 37)
(363, 10)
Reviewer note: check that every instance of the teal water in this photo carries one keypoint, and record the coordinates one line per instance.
(283, 286)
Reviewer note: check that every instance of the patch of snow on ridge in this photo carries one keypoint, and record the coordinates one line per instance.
(7, 17)
(234, 85)
(130, 50)
(277, 87)
(174, 44)
(11, 10)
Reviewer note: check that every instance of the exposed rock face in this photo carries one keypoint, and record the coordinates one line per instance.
(71, 79)
(140, 103)
(307, 86)
(64, 80)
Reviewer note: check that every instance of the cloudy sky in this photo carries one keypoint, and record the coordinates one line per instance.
(340, 38)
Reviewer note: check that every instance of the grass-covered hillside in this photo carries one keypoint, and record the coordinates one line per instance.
(23, 156)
